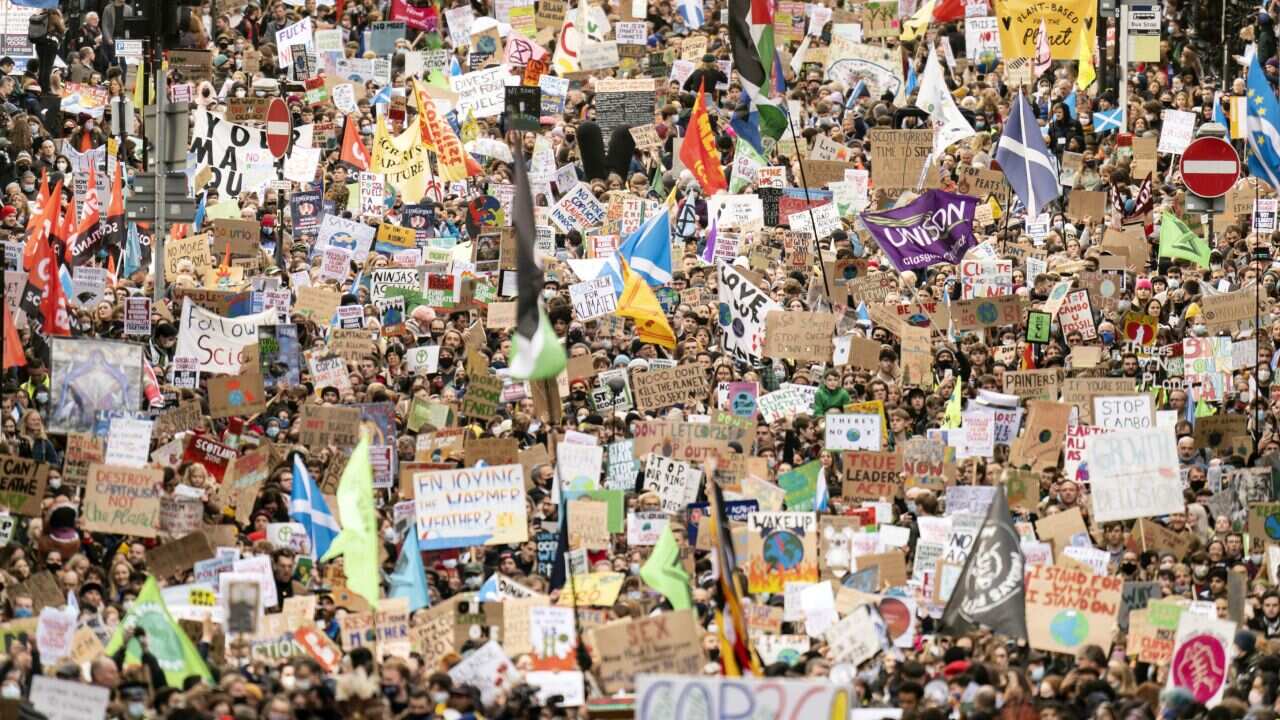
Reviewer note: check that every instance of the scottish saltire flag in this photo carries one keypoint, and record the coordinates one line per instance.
(648, 250)
(41, 4)
(1105, 121)
(198, 221)
(307, 506)
(691, 13)
(1263, 138)
(1025, 159)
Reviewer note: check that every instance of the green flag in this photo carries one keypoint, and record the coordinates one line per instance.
(663, 572)
(1177, 241)
(746, 162)
(166, 640)
(801, 485)
(358, 541)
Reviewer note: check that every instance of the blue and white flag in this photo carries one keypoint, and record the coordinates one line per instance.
(647, 252)
(1026, 161)
(1263, 138)
(1105, 121)
(409, 579)
(307, 506)
(691, 13)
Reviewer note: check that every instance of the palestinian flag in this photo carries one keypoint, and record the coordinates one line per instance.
(751, 38)
(536, 352)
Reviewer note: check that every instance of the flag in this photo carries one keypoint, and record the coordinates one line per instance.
(736, 656)
(201, 209)
(358, 540)
(1044, 55)
(1105, 121)
(53, 308)
(453, 162)
(40, 227)
(113, 232)
(744, 155)
(409, 579)
(38, 4)
(949, 126)
(1264, 138)
(916, 25)
(86, 239)
(308, 507)
(640, 304)
(648, 249)
(13, 355)
(1025, 159)
(1177, 241)
(1085, 73)
(754, 57)
(1239, 117)
(132, 260)
(955, 406)
(664, 573)
(353, 151)
(140, 95)
(691, 13)
(536, 352)
(1143, 203)
(713, 234)
(699, 152)
(173, 650)
(936, 227)
(991, 590)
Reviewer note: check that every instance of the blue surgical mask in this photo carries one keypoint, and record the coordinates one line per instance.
(1107, 337)
(22, 612)
(273, 431)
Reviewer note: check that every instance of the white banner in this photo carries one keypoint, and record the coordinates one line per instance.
(237, 154)
(217, 343)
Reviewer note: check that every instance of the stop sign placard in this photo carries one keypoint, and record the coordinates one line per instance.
(1210, 166)
(279, 128)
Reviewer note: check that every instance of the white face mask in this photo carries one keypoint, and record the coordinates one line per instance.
(10, 692)
(439, 697)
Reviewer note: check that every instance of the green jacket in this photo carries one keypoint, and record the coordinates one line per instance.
(826, 400)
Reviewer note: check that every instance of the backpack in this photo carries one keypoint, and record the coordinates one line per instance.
(38, 26)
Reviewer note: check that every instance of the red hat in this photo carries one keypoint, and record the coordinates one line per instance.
(955, 668)
(8, 211)
(268, 221)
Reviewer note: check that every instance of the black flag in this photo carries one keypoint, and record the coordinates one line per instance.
(991, 588)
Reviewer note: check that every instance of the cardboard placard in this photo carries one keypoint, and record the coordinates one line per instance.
(803, 336)
(1068, 609)
(682, 384)
(237, 395)
(122, 500)
(666, 643)
(22, 484)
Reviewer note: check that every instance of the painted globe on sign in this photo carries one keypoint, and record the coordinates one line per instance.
(1069, 627)
(783, 549)
(1273, 527)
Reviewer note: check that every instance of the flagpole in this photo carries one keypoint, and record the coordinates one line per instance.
(822, 266)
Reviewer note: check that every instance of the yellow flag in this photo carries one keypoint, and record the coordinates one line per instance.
(451, 159)
(138, 84)
(1085, 74)
(470, 128)
(640, 304)
(403, 160)
(917, 24)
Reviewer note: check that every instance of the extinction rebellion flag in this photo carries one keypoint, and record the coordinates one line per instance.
(991, 590)
(934, 228)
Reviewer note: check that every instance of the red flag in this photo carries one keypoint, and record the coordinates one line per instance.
(948, 11)
(698, 151)
(57, 322)
(86, 239)
(40, 226)
(13, 355)
(353, 151)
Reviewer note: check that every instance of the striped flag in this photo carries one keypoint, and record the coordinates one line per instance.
(751, 39)
(536, 352)
(736, 656)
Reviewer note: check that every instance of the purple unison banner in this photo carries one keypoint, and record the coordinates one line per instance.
(934, 228)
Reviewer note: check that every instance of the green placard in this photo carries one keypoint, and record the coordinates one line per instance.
(1039, 327)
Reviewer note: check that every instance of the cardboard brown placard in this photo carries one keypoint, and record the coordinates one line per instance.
(243, 236)
(864, 353)
(501, 315)
(83, 449)
(1045, 435)
(192, 64)
(493, 451)
(325, 425)
(317, 303)
(664, 387)
(192, 247)
(186, 416)
(1087, 204)
(897, 157)
(237, 395)
(668, 643)
(123, 500)
(247, 109)
(22, 484)
(799, 335)
(42, 588)
(892, 564)
(588, 524)
(1060, 527)
(180, 555)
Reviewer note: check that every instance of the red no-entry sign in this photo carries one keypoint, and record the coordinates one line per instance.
(1210, 166)
(279, 128)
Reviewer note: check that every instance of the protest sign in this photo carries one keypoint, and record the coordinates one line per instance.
(123, 500)
(1124, 412)
(217, 344)
(660, 643)
(1202, 649)
(682, 384)
(803, 336)
(782, 547)
(676, 482)
(1068, 609)
(853, 431)
(748, 307)
(67, 700)
(241, 395)
(1134, 473)
(473, 506)
(593, 298)
(22, 484)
